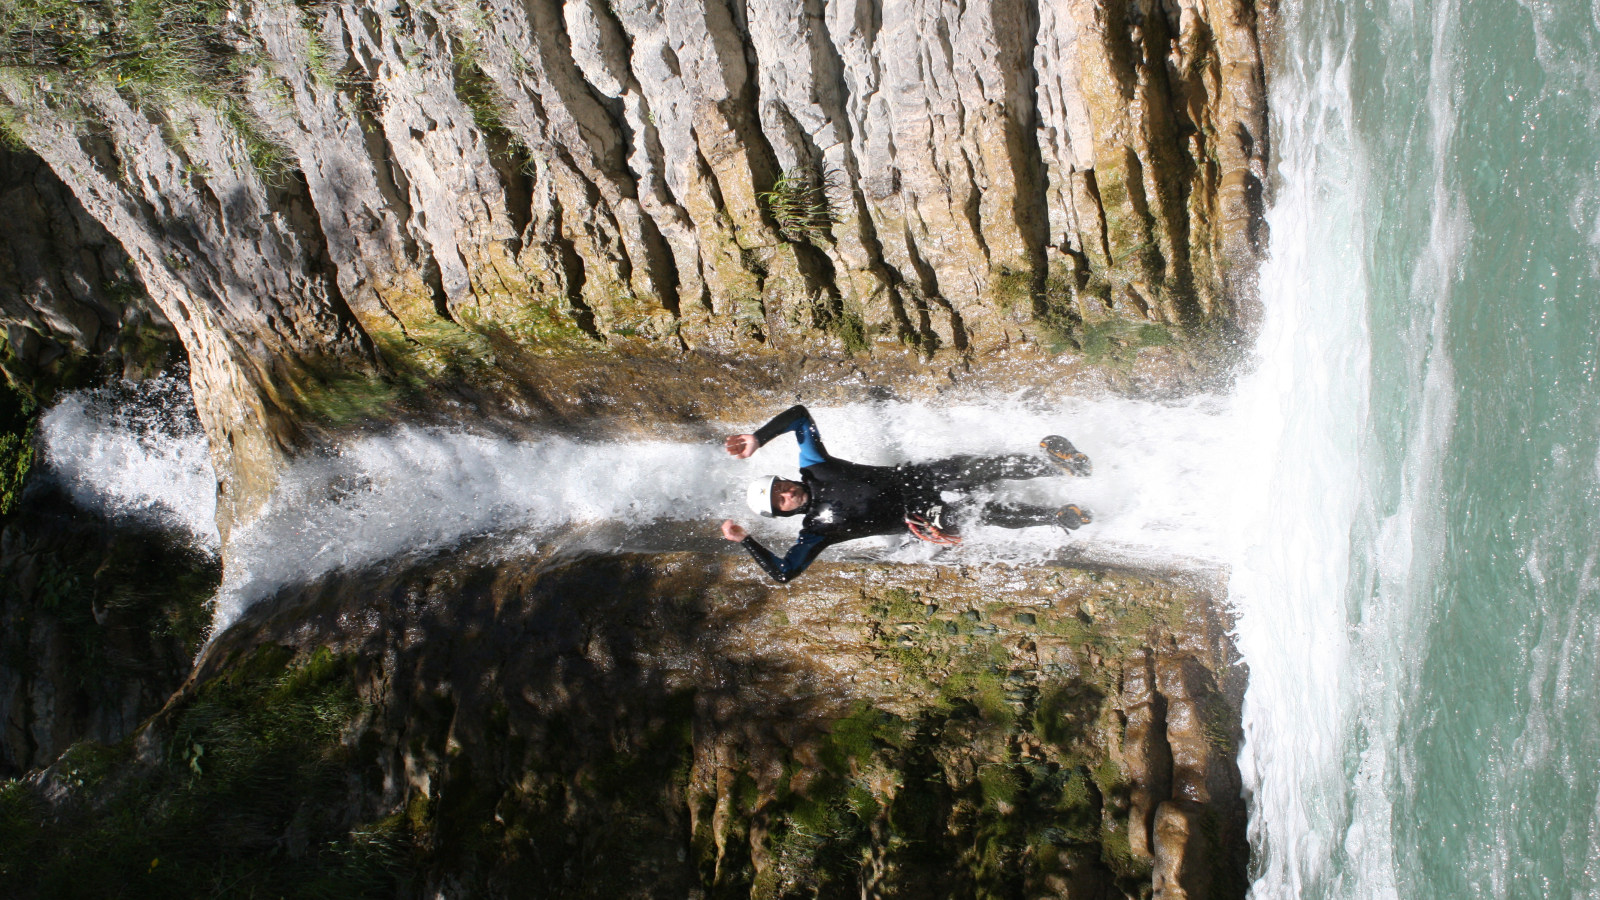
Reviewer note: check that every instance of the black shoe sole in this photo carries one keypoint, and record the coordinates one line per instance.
(1068, 457)
(1073, 517)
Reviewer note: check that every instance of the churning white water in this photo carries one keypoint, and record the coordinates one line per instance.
(424, 489)
(1301, 409)
(135, 451)
(1158, 492)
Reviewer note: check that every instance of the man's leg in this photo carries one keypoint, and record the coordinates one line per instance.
(1020, 515)
(961, 473)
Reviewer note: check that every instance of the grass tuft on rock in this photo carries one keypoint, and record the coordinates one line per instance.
(799, 203)
(157, 52)
(172, 47)
(18, 414)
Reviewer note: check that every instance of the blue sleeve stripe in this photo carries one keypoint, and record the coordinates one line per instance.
(801, 554)
(794, 562)
(797, 420)
(811, 450)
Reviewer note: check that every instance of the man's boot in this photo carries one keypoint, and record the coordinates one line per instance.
(1072, 517)
(1063, 454)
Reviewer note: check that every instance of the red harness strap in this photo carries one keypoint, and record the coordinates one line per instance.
(922, 531)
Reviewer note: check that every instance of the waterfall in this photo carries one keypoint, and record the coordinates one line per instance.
(1157, 492)
(1402, 487)
(135, 452)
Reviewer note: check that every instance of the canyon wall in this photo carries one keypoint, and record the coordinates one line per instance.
(71, 305)
(653, 214)
(485, 724)
(372, 192)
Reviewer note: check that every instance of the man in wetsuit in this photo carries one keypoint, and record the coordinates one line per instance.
(843, 501)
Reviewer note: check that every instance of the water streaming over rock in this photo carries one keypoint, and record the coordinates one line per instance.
(1403, 486)
(135, 451)
(1154, 491)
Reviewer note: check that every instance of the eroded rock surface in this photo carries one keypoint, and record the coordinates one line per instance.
(397, 187)
(69, 296)
(670, 725)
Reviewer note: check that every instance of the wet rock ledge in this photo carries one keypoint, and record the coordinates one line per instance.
(653, 726)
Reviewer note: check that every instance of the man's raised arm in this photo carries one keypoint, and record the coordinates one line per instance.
(796, 419)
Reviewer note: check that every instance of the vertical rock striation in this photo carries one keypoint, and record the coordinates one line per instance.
(393, 185)
(67, 290)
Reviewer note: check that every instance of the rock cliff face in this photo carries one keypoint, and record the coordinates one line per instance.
(618, 214)
(98, 626)
(387, 188)
(70, 300)
(668, 725)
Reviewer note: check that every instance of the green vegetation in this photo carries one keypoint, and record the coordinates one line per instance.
(145, 580)
(1056, 312)
(840, 319)
(18, 413)
(340, 396)
(235, 807)
(935, 799)
(799, 203)
(154, 51)
(1112, 340)
(1066, 715)
(1011, 288)
(168, 47)
(483, 97)
(1106, 341)
(11, 129)
(953, 794)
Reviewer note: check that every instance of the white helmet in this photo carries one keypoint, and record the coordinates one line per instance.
(759, 495)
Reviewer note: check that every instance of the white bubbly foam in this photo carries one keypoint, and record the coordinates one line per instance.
(1336, 546)
(1158, 491)
(1154, 491)
(1304, 408)
(135, 451)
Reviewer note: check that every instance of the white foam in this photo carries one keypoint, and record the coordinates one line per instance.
(1159, 489)
(134, 451)
(1303, 410)
(1153, 493)
(1336, 551)
(423, 489)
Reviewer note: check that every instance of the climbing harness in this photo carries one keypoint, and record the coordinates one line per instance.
(923, 530)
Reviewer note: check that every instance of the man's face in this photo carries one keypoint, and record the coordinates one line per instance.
(790, 495)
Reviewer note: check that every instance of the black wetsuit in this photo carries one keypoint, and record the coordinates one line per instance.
(846, 500)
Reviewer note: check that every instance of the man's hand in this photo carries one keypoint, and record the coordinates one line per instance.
(742, 445)
(732, 530)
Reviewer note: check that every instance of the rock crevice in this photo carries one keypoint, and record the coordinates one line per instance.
(391, 183)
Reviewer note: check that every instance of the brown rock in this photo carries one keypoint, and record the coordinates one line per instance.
(1184, 683)
(1147, 759)
(1181, 853)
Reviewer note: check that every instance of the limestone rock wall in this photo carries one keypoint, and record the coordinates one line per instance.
(68, 292)
(391, 184)
(674, 724)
